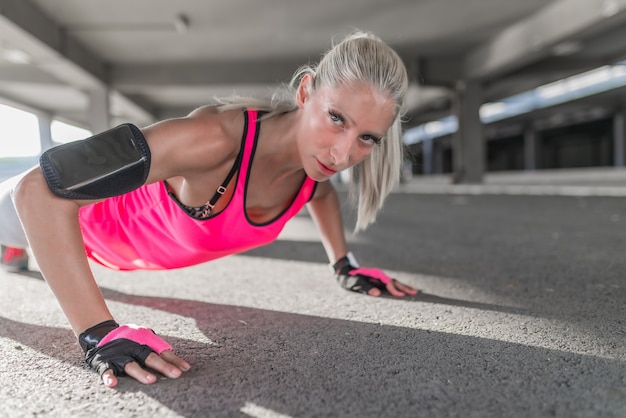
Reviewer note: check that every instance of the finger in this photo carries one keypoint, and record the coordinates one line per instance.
(391, 288)
(170, 357)
(134, 370)
(374, 292)
(162, 366)
(109, 379)
(409, 290)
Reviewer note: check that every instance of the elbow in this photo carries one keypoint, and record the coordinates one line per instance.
(30, 191)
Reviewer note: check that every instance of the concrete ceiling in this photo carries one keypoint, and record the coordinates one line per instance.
(162, 58)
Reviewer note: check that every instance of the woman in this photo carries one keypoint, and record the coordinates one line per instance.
(209, 191)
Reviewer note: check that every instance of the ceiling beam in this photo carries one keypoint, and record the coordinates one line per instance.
(140, 76)
(71, 62)
(521, 48)
(25, 74)
(53, 37)
(534, 38)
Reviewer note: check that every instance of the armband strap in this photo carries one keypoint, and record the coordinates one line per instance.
(140, 335)
(109, 164)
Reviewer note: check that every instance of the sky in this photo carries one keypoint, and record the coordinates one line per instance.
(19, 133)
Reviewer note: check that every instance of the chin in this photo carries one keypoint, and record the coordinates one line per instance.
(316, 175)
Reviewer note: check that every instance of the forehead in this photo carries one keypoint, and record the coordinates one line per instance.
(361, 102)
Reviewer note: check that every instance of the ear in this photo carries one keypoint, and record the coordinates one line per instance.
(304, 90)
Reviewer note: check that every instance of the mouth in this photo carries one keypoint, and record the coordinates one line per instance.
(325, 169)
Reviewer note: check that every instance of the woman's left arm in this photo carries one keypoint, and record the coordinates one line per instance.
(325, 209)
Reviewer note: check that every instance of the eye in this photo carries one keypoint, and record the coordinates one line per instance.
(336, 117)
(371, 139)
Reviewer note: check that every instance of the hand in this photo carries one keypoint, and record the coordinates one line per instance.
(167, 363)
(114, 351)
(371, 281)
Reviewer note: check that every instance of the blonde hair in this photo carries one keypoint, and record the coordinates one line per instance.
(358, 58)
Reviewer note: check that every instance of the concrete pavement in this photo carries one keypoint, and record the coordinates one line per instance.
(594, 181)
(522, 314)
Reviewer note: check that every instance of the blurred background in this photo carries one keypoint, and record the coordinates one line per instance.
(496, 85)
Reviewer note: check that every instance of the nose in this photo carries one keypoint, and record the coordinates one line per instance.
(340, 150)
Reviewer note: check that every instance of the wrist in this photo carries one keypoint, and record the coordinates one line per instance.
(347, 262)
(90, 338)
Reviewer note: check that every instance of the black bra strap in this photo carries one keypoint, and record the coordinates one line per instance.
(220, 190)
(209, 205)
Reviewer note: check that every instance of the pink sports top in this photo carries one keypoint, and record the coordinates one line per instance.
(147, 229)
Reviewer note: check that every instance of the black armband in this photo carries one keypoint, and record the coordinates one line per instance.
(92, 336)
(109, 164)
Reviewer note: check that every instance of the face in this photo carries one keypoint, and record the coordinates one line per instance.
(340, 126)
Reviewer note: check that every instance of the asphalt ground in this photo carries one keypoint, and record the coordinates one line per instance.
(522, 314)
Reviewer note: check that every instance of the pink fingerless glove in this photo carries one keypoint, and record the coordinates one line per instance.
(372, 272)
(140, 335)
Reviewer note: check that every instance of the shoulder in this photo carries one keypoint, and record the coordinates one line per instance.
(207, 123)
(203, 139)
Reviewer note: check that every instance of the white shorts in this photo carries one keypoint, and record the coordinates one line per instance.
(11, 231)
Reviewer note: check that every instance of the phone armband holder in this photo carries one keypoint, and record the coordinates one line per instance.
(109, 164)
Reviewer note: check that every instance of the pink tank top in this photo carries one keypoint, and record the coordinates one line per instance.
(147, 229)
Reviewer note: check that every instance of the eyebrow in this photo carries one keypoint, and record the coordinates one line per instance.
(347, 117)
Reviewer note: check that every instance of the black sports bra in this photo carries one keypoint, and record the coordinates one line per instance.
(205, 211)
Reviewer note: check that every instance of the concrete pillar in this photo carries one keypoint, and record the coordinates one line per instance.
(427, 156)
(438, 155)
(618, 138)
(530, 148)
(468, 144)
(99, 115)
(45, 130)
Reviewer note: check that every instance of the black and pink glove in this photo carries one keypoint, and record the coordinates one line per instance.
(110, 346)
(359, 279)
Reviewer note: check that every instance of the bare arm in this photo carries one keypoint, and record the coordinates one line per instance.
(179, 148)
(51, 225)
(325, 210)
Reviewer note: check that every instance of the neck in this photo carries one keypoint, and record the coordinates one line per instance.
(277, 148)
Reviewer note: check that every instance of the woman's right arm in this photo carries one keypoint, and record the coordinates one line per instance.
(52, 228)
(179, 147)
(51, 225)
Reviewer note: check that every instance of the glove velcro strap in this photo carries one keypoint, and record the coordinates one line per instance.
(345, 264)
(342, 265)
(92, 336)
(137, 334)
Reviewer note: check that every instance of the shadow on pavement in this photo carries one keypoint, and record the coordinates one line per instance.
(420, 297)
(301, 365)
(429, 298)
